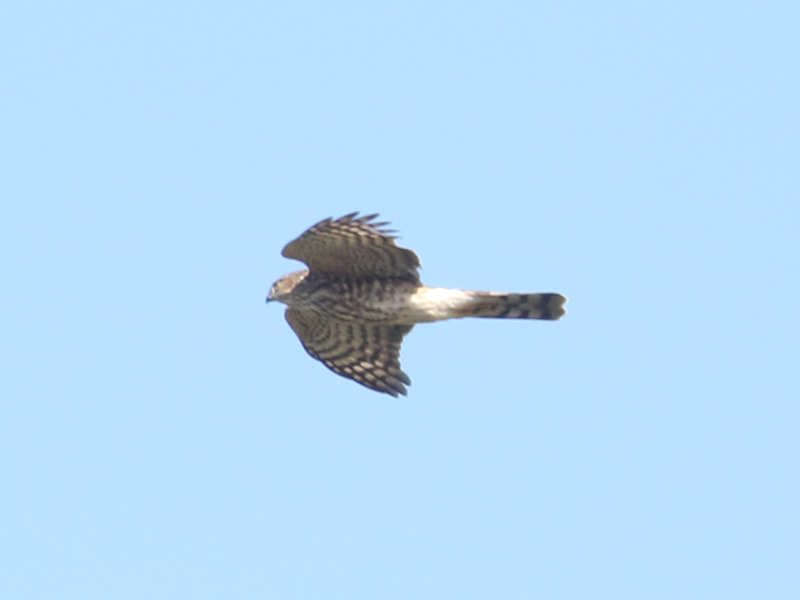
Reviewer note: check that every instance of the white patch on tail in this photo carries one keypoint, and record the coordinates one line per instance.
(435, 304)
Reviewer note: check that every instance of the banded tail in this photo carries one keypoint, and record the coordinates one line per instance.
(499, 305)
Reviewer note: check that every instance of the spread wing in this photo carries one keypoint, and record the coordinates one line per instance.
(367, 354)
(353, 246)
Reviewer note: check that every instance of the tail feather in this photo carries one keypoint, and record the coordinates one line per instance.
(517, 306)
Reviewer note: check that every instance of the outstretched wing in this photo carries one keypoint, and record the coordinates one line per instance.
(367, 354)
(353, 246)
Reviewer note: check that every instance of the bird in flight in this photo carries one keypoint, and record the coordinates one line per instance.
(361, 294)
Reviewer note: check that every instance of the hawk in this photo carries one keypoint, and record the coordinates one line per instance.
(361, 294)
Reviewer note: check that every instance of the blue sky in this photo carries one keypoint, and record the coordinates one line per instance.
(163, 434)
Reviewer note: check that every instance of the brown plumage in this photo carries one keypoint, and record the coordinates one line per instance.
(361, 294)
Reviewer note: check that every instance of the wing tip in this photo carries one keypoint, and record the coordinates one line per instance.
(368, 221)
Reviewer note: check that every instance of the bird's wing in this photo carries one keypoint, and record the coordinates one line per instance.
(353, 246)
(367, 354)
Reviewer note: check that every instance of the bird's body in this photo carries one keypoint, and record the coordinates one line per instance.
(369, 299)
(362, 294)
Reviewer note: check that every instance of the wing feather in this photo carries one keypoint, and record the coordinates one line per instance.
(367, 354)
(353, 246)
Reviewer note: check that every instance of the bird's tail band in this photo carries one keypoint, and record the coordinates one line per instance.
(517, 306)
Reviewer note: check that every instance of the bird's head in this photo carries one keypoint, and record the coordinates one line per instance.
(283, 288)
